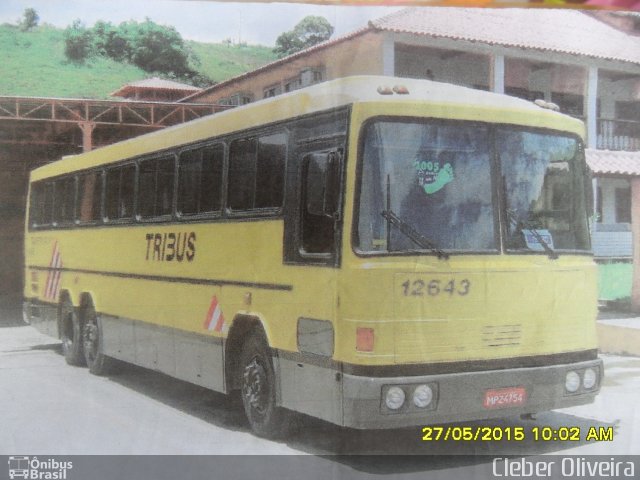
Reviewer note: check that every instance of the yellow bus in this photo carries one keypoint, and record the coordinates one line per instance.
(372, 251)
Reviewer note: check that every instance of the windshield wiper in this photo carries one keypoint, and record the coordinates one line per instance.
(412, 234)
(520, 224)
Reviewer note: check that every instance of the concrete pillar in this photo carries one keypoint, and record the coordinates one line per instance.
(87, 135)
(591, 107)
(635, 231)
(388, 55)
(496, 80)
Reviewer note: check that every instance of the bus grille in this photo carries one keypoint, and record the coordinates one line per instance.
(501, 335)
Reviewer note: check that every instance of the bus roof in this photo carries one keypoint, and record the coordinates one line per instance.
(321, 97)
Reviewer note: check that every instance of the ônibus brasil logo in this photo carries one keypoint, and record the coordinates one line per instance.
(35, 469)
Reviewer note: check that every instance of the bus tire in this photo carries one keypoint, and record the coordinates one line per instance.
(98, 362)
(258, 388)
(70, 333)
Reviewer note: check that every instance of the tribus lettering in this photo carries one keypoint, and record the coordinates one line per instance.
(168, 247)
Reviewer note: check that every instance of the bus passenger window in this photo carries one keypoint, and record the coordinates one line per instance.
(155, 193)
(64, 200)
(242, 174)
(40, 204)
(90, 192)
(200, 180)
(119, 192)
(272, 151)
(256, 172)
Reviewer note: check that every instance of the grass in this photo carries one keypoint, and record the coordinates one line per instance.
(34, 64)
(221, 61)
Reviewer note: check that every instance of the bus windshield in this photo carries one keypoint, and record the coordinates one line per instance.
(435, 187)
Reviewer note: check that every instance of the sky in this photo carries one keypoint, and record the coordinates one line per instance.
(205, 21)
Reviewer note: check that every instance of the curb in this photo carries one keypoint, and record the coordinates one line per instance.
(618, 339)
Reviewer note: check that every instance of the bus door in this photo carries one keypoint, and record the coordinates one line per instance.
(320, 186)
(313, 254)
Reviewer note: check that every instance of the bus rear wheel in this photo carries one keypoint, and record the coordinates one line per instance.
(98, 362)
(70, 333)
(258, 388)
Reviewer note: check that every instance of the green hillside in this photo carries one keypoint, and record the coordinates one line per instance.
(33, 64)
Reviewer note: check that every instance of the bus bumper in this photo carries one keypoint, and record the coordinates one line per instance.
(42, 316)
(465, 396)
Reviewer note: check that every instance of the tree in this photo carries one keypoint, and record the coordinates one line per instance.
(156, 48)
(78, 45)
(310, 31)
(110, 41)
(29, 20)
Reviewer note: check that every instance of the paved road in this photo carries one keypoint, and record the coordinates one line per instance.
(50, 407)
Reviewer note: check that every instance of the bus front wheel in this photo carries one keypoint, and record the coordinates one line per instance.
(70, 333)
(98, 362)
(258, 388)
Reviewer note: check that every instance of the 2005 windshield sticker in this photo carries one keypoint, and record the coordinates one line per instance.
(433, 175)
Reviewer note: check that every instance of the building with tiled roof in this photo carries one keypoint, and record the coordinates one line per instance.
(586, 62)
(155, 89)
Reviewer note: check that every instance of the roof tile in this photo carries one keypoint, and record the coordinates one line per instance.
(607, 162)
(557, 30)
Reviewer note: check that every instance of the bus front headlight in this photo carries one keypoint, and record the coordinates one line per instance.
(394, 399)
(422, 396)
(589, 379)
(572, 382)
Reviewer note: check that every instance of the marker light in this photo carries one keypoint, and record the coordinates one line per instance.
(401, 90)
(590, 378)
(572, 382)
(394, 398)
(422, 396)
(385, 90)
(365, 339)
(548, 105)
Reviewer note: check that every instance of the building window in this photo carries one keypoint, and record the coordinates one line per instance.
(523, 93)
(292, 84)
(237, 100)
(272, 91)
(623, 205)
(569, 103)
(629, 112)
(599, 205)
(310, 76)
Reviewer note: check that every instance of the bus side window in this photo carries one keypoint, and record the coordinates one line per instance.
(272, 152)
(242, 174)
(256, 172)
(200, 180)
(155, 187)
(47, 204)
(119, 192)
(320, 202)
(90, 197)
(36, 204)
(64, 201)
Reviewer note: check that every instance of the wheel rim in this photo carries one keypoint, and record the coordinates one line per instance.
(67, 341)
(255, 387)
(90, 336)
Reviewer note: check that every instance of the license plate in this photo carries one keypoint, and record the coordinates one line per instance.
(505, 397)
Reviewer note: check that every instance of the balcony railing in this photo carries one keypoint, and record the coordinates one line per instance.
(618, 134)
